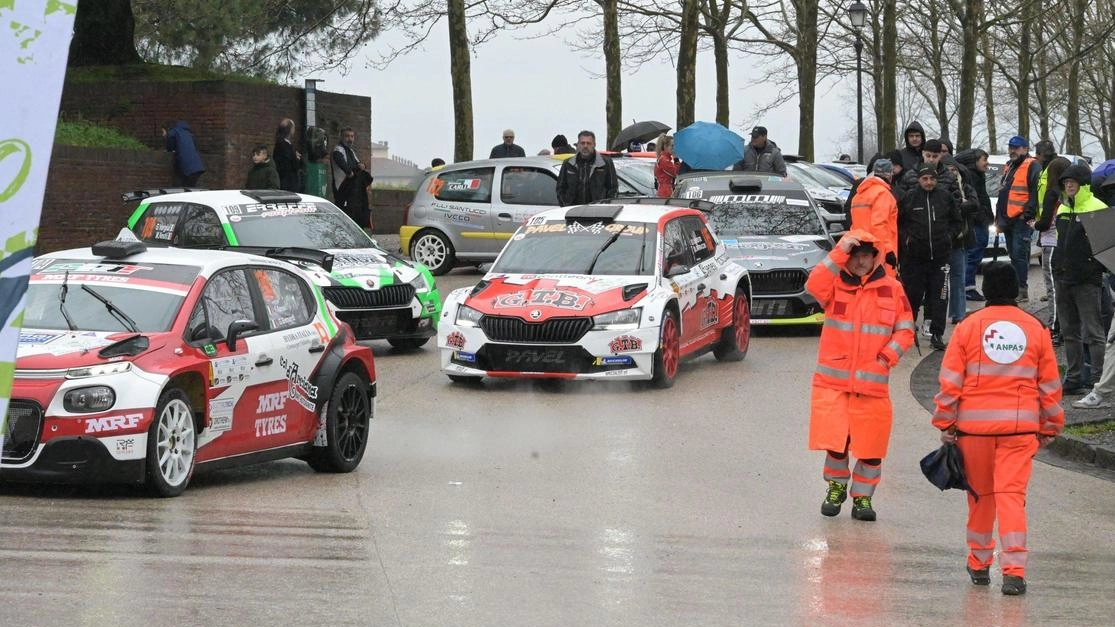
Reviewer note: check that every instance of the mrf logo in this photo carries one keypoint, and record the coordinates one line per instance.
(271, 402)
(558, 299)
(1004, 342)
(112, 423)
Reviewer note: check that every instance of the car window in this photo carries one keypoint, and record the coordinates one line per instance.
(226, 299)
(471, 185)
(284, 297)
(700, 239)
(311, 225)
(158, 223)
(676, 245)
(777, 213)
(528, 186)
(201, 228)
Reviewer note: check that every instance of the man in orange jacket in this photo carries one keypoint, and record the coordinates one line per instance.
(875, 210)
(1000, 399)
(868, 326)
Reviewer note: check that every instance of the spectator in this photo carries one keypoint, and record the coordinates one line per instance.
(975, 160)
(436, 163)
(635, 146)
(1017, 206)
(561, 146)
(895, 158)
(931, 154)
(958, 258)
(1049, 190)
(587, 177)
(914, 137)
(761, 155)
(508, 148)
(263, 174)
(1046, 152)
(875, 211)
(288, 161)
(928, 222)
(855, 185)
(545, 152)
(844, 158)
(946, 146)
(1079, 280)
(351, 180)
(665, 167)
(187, 160)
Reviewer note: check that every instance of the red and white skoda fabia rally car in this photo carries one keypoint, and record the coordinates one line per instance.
(603, 291)
(137, 366)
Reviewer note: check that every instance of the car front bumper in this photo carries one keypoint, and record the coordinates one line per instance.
(78, 460)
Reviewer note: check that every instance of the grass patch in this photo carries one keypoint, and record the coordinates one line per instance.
(92, 135)
(155, 72)
(1091, 429)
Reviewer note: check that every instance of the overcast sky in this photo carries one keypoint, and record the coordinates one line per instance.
(539, 88)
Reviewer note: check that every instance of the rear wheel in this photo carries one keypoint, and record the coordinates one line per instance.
(433, 250)
(407, 343)
(171, 444)
(668, 355)
(736, 337)
(347, 424)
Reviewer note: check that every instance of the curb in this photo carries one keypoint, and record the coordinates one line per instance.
(1078, 449)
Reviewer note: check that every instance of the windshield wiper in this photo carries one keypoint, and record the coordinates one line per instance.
(642, 253)
(114, 310)
(608, 243)
(62, 301)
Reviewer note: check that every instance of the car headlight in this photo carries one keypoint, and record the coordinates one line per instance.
(419, 282)
(624, 319)
(98, 371)
(467, 316)
(89, 399)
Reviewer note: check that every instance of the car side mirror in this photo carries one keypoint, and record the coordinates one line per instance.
(676, 270)
(237, 328)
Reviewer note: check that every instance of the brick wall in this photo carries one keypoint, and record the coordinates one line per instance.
(387, 208)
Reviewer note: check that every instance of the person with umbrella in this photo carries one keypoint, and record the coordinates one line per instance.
(761, 155)
(588, 176)
(999, 400)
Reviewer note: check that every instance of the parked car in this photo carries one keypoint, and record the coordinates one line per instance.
(464, 213)
(601, 291)
(775, 229)
(381, 295)
(139, 366)
(850, 171)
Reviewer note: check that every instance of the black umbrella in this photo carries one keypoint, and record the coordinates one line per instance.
(944, 468)
(638, 132)
(1100, 228)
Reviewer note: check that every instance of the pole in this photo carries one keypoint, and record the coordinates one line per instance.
(859, 97)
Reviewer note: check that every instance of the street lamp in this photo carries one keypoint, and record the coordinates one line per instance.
(857, 13)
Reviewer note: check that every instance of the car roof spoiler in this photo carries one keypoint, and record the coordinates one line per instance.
(288, 253)
(594, 212)
(140, 194)
(688, 203)
(746, 184)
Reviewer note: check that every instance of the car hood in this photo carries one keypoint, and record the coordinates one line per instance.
(369, 268)
(766, 252)
(47, 349)
(538, 297)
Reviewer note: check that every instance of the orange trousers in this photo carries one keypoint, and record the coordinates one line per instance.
(998, 469)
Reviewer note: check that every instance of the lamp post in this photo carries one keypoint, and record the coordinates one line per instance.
(857, 13)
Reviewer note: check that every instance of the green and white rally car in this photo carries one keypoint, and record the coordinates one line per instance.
(380, 295)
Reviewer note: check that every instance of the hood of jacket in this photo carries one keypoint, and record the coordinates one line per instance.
(913, 127)
(869, 183)
(182, 125)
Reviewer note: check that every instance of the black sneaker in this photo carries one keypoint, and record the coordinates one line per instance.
(973, 294)
(1013, 585)
(861, 509)
(981, 577)
(1073, 388)
(937, 343)
(837, 494)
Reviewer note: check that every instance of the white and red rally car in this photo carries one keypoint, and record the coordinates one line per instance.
(602, 291)
(138, 366)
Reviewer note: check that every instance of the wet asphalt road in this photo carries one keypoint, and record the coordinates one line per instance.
(518, 504)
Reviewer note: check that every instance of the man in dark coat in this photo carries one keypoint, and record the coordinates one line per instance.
(288, 161)
(931, 154)
(187, 159)
(351, 180)
(975, 160)
(587, 177)
(508, 148)
(761, 155)
(263, 174)
(914, 138)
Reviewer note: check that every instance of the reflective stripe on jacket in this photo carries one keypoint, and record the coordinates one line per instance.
(999, 376)
(1019, 193)
(867, 322)
(874, 210)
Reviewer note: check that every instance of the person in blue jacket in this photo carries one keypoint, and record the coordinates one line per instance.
(187, 159)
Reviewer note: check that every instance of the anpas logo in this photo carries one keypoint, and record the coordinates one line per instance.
(273, 425)
(301, 390)
(112, 423)
(558, 299)
(1004, 342)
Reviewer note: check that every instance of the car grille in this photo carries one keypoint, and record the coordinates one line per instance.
(22, 429)
(553, 331)
(373, 324)
(360, 298)
(778, 282)
(538, 358)
(773, 308)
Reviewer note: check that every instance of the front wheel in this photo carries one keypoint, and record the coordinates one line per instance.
(171, 445)
(347, 424)
(736, 337)
(407, 343)
(433, 250)
(668, 355)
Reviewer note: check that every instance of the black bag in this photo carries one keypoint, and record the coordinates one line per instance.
(944, 468)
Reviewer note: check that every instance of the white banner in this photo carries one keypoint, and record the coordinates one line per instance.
(34, 43)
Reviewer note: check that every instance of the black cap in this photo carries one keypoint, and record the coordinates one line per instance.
(927, 170)
(864, 247)
(1078, 172)
(1000, 283)
(759, 131)
(932, 145)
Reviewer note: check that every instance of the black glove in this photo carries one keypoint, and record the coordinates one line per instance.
(891, 260)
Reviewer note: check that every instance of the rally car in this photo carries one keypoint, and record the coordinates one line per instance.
(774, 228)
(380, 295)
(602, 291)
(139, 366)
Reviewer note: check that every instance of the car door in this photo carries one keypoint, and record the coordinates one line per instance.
(701, 325)
(462, 203)
(523, 192)
(677, 260)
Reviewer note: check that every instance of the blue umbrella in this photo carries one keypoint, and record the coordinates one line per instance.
(1102, 171)
(708, 146)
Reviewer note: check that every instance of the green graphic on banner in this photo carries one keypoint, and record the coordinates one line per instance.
(20, 153)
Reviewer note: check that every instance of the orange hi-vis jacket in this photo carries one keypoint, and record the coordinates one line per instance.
(1019, 189)
(874, 210)
(867, 321)
(999, 376)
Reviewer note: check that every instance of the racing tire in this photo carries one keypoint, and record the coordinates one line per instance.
(171, 445)
(668, 356)
(347, 425)
(407, 343)
(464, 379)
(433, 250)
(736, 337)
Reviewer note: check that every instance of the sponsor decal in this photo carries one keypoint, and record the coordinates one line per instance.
(27, 337)
(536, 220)
(220, 414)
(271, 402)
(300, 337)
(625, 343)
(235, 218)
(774, 245)
(300, 389)
(694, 193)
(748, 199)
(710, 316)
(558, 299)
(614, 361)
(269, 210)
(163, 230)
(455, 339)
(228, 369)
(354, 259)
(576, 227)
(125, 446)
(462, 185)
(534, 357)
(108, 424)
(463, 356)
(77, 267)
(1004, 342)
(272, 425)
(321, 438)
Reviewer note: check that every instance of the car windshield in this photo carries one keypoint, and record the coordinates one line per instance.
(641, 173)
(560, 247)
(816, 175)
(309, 225)
(763, 214)
(153, 311)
